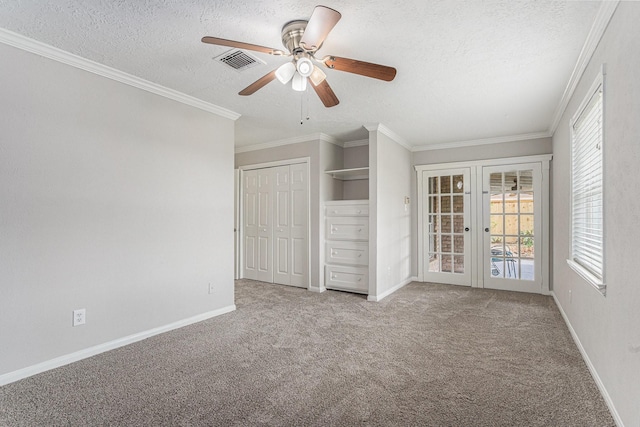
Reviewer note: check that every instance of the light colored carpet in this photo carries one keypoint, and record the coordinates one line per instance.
(429, 355)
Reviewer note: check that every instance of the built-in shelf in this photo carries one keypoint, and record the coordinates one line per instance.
(350, 174)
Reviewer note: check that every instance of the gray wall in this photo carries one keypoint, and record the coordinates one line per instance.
(356, 157)
(608, 327)
(111, 199)
(528, 147)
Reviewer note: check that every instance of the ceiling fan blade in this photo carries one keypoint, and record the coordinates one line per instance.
(322, 21)
(242, 45)
(362, 68)
(326, 94)
(258, 84)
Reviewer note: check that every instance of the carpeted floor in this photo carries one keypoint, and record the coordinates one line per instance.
(428, 355)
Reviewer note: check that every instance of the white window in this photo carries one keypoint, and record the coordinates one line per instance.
(587, 237)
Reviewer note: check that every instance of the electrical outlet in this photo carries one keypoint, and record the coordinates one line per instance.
(212, 289)
(79, 317)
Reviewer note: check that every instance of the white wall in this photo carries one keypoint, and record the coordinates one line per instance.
(608, 327)
(390, 181)
(111, 199)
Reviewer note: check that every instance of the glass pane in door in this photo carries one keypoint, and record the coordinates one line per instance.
(445, 227)
(511, 225)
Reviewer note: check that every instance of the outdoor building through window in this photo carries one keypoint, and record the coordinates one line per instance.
(586, 188)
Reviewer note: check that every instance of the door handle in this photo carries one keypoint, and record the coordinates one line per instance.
(486, 229)
(466, 229)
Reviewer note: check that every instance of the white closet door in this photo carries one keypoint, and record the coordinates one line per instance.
(250, 220)
(299, 231)
(265, 225)
(276, 224)
(282, 226)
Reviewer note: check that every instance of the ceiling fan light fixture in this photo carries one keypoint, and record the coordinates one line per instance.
(285, 72)
(305, 67)
(317, 76)
(299, 82)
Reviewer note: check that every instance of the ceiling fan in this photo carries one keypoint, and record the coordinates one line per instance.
(303, 39)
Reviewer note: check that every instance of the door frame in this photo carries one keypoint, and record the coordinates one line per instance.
(476, 232)
(236, 224)
(265, 165)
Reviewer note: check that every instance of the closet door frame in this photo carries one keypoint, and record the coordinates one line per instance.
(288, 162)
(477, 237)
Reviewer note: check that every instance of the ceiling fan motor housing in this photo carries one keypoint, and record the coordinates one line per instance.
(292, 33)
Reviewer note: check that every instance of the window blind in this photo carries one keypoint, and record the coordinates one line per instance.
(587, 200)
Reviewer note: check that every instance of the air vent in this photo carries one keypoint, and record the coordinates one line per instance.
(239, 60)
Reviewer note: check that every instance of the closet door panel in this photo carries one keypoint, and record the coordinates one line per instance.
(282, 225)
(265, 225)
(250, 220)
(299, 230)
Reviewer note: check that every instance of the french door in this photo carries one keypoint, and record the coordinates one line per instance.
(446, 225)
(512, 227)
(485, 224)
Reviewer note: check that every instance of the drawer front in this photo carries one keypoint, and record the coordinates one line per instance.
(347, 228)
(347, 210)
(347, 278)
(348, 253)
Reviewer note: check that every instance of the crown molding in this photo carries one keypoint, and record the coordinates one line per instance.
(288, 141)
(30, 45)
(357, 143)
(604, 15)
(379, 127)
(485, 141)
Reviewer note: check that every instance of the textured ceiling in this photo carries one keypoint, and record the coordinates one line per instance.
(467, 70)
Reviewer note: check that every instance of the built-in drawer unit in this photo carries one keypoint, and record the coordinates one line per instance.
(346, 252)
(347, 245)
(354, 279)
(347, 210)
(347, 228)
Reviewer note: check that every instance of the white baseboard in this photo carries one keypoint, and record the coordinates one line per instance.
(592, 369)
(318, 289)
(376, 298)
(101, 348)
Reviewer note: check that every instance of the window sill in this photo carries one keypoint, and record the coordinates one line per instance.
(588, 277)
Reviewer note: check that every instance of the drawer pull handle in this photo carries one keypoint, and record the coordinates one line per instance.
(358, 211)
(333, 276)
(334, 229)
(335, 211)
(359, 255)
(359, 230)
(359, 279)
(334, 253)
